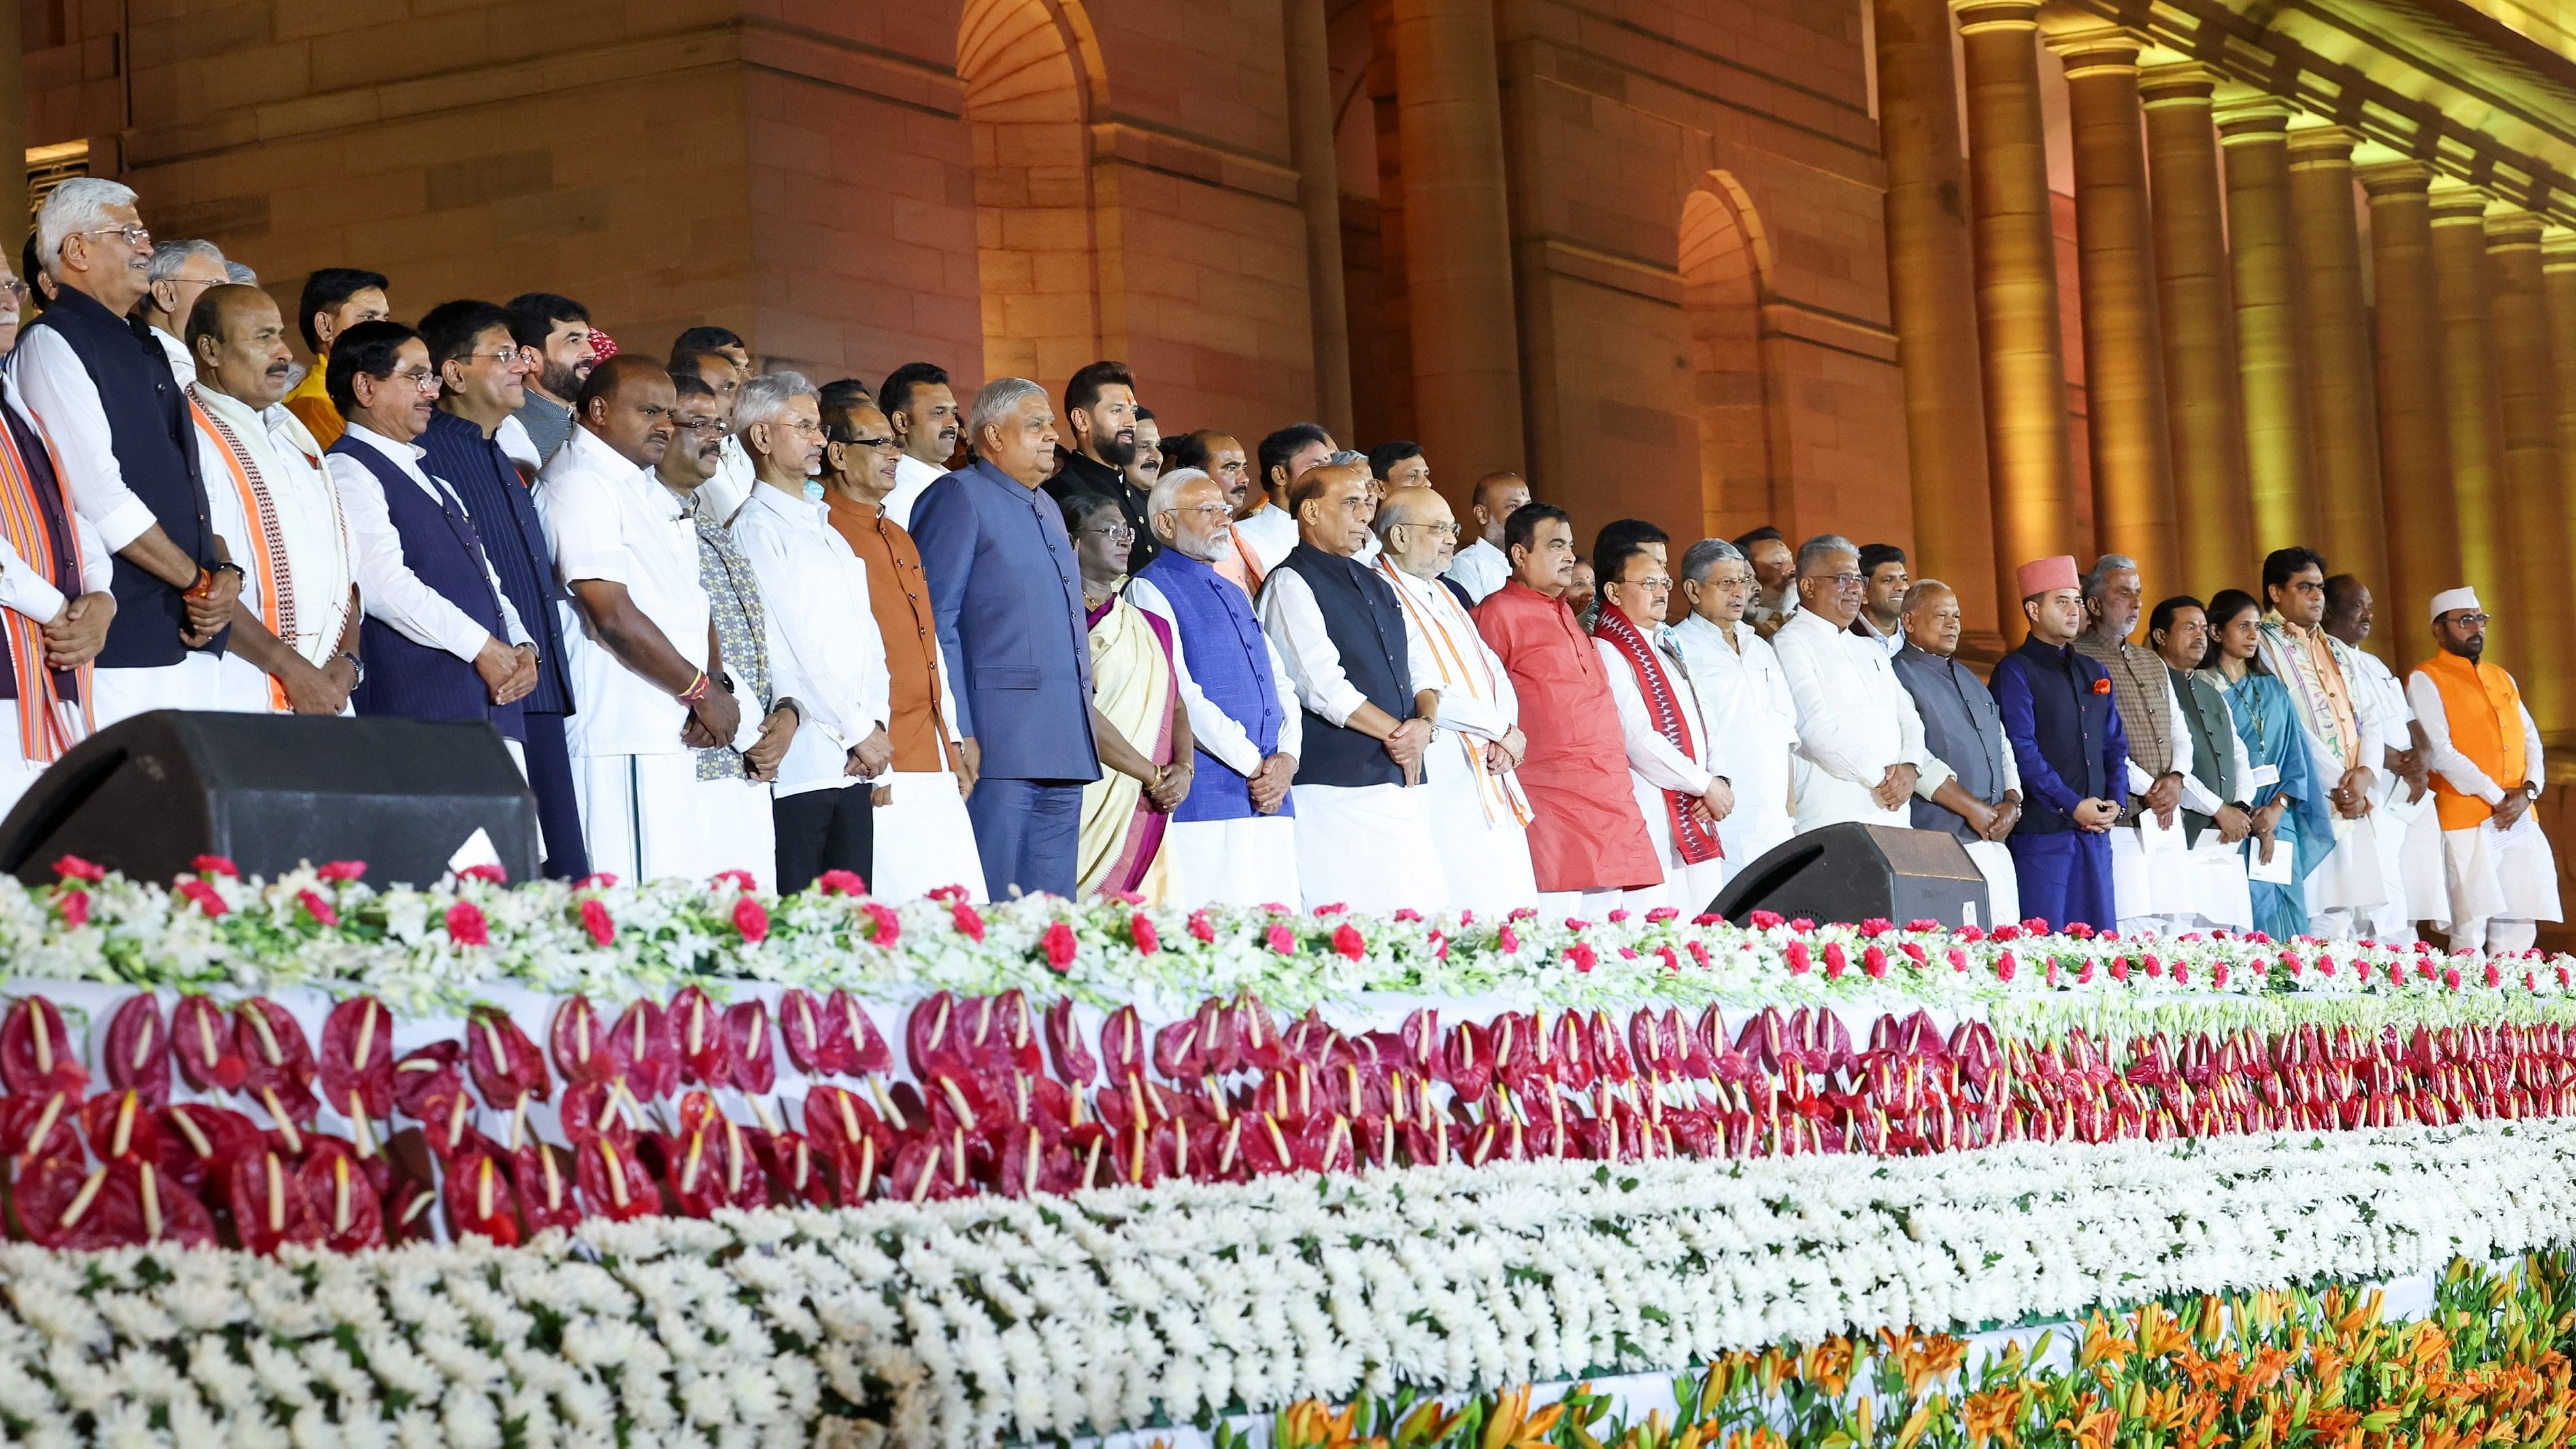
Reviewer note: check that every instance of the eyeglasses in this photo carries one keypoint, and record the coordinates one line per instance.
(14, 288)
(1842, 581)
(1450, 529)
(700, 426)
(881, 445)
(419, 377)
(1115, 533)
(1658, 582)
(505, 356)
(2470, 621)
(1211, 512)
(136, 235)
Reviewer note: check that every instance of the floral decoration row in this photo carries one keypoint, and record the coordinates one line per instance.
(451, 945)
(2290, 1366)
(964, 1322)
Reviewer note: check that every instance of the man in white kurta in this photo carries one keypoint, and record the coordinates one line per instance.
(2408, 828)
(1479, 814)
(1747, 713)
(2485, 754)
(46, 719)
(1858, 729)
(638, 635)
(1283, 457)
(1363, 824)
(1680, 798)
(1233, 839)
(2340, 722)
(1481, 566)
(278, 514)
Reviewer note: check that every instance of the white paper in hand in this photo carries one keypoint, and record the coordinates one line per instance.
(2276, 871)
(2156, 838)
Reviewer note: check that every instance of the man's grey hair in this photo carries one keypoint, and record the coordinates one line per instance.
(169, 256)
(1821, 549)
(1166, 494)
(2098, 577)
(1705, 556)
(994, 403)
(765, 398)
(239, 274)
(77, 205)
(1922, 590)
(1347, 457)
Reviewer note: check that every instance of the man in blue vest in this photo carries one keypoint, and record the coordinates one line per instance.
(482, 383)
(1981, 800)
(1008, 598)
(441, 639)
(2071, 752)
(1233, 840)
(104, 392)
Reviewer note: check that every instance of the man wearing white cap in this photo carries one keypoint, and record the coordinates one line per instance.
(2485, 754)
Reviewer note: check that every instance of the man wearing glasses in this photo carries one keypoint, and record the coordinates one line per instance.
(120, 425)
(921, 801)
(483, 374)
(2485, 754)
(441, 639)
(1858, 729)
(1670, 765)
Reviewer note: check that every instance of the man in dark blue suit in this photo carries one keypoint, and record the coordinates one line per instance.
(2067, 742)
(1008, 598)
(483, 375)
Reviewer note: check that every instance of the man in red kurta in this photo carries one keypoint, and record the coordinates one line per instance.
(1588, 844)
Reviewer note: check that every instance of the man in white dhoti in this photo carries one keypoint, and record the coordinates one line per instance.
(1233, 838)
(1746, 711)
(295, 627)
(641, 642)
(1363, 820)
(2341, 724)
(2151, 871)
(1681, 797)
(1479, 814)
(2485, 755)
(1858, 729)
(2402, 814)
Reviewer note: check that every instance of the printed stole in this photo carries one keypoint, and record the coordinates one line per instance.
(2308, 688)
(1499, 791)
(276, 595)
(48, 724)
(1695, 842)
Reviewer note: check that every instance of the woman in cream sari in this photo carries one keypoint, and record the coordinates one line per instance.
(1136, 714)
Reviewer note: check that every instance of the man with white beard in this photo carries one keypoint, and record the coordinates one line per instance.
(1233, 838)
(1479, 815)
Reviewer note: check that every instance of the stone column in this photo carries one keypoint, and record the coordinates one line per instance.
(1931, 276)
(2558, 278)
(2017, 311)
(2476, 422)
(2342, 410)
(2527, 397)
(2197, 304)
(2423, 527)
(2124, 363)
(2271, 332)
(1457, 239)
(1319, 195)
(13, 137)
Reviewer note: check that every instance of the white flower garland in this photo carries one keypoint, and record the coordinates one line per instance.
(961, 1323)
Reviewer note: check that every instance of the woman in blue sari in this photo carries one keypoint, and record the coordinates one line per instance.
(2290, 807)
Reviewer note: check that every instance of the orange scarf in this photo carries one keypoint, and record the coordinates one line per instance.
(2484, 709)
(48, 724)
(275, 599)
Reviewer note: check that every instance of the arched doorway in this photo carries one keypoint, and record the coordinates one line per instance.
(1722, 284)
(1031, 73)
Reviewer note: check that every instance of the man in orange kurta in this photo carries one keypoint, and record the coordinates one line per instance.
(1588, 845)
(2484, 752)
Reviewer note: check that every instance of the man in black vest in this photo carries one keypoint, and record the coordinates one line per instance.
(1363, 830)
(104, 391)
(2178, 630)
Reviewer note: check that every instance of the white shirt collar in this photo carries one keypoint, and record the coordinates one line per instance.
(794, 507)
(406, 454)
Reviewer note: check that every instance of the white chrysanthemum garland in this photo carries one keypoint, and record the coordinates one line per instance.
(445, 947)
(964, 1322)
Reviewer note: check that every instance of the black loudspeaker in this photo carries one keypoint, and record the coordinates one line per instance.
(149, 794)
(1853, 872)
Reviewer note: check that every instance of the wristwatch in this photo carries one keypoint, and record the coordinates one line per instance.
(357, 667)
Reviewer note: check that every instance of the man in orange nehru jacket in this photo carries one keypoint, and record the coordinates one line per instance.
(2485, 755)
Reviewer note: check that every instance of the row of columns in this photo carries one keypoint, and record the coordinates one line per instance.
(2243, 390)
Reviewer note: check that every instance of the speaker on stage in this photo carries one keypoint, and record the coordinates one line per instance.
(149, 794)
(1854, 872)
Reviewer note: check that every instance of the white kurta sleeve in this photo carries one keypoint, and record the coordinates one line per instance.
(389, 589)
(1829, 732)
(1650, 755)
(1292, 720)
(2197, 797)
(2442, 756)
(1211, 728)
(1460, 709)
(2531, 761)
(1931, 772)
(1295, 624)
(2012, 767)
(58, 390)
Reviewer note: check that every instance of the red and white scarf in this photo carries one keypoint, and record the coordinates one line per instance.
(1694, 841)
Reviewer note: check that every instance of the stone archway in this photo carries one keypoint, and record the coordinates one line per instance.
(1724, 262)
(1032, 78)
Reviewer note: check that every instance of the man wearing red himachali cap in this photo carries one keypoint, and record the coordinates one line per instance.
(2067, 742)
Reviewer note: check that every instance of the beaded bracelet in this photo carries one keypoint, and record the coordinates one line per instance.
(696, 691)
